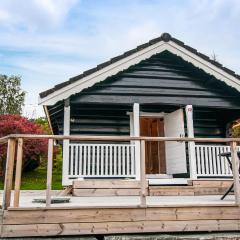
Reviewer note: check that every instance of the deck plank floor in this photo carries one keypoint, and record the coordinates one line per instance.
(27, 197)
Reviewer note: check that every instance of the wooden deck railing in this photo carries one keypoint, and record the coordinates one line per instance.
(18, 140)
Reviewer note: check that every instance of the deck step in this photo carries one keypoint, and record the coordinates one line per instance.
(198, 188)
(169, 181)
(97, 188)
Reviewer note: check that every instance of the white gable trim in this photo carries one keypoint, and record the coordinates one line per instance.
(204, 65)
(133, 59)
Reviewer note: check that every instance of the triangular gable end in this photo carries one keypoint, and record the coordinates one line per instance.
(145, 51)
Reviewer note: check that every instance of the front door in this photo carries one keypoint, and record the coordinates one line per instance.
(175, 151)
(155, 151)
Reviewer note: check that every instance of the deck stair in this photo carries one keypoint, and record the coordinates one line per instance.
(97, 188)
(194, 188)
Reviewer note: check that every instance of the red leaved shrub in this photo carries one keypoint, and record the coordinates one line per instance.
(32, 149)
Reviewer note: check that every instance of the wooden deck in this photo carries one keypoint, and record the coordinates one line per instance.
(112, 215)
(96, 215)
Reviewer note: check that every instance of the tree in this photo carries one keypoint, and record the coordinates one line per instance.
(43, 122)
(11, 95)
(33, 150)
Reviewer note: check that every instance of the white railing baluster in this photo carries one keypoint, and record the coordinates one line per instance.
(76, 160)
(84, 160)
(80, 160)
(115, 160)
(210, 160)
(132, 160)
(88, 159)
(202, 160)
(73, 160)
(119, 161)
(106, 160)
(214, 159)
(69, 160)
(102, 158)
(128, 162)
(93, 160)
(219, 161)
(206, 161)
(110, 161)
(198, 159)
(123, 161)
(98, 156)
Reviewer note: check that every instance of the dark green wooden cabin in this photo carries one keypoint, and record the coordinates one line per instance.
(160, 88)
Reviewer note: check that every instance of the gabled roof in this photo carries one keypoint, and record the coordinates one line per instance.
(113, 66)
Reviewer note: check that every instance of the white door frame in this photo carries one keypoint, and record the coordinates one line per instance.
(190, 132)
(148, 115)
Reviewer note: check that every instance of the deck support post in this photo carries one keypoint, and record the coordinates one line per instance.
(235, 170)
(66, 131)
(136, 131)
(18, 174)
(9, 173)
(191, 145)
(49, 172)
(143, 175)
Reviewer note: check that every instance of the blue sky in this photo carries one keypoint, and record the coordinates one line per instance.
(48, 41)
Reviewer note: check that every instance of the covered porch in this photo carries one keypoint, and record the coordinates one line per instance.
(166, 162)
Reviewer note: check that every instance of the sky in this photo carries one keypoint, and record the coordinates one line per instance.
(48, 41)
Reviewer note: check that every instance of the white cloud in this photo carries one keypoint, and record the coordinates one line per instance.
(34, 14)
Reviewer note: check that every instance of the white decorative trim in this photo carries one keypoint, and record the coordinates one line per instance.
(133, 59)
(204, 65)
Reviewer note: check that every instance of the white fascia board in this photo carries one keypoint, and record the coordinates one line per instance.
(102, 74)
(203, 64)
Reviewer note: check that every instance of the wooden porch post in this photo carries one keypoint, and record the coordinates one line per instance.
(136, 130)
(191, 145)
(9, 173)
(49, 172)
(143, 176)
(18, 174)
(235, 169)
(66, 131)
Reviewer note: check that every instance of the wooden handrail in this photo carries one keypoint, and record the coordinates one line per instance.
(117, 138)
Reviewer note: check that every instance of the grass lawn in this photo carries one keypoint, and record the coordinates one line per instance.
(36, 179)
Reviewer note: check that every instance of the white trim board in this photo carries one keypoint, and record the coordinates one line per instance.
(133, 59)
(169, 181)
(149, 114)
